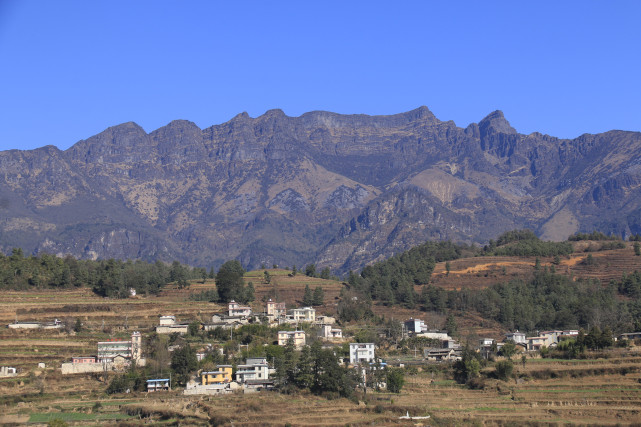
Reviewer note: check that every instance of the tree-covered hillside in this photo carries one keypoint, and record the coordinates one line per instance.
(110, 277)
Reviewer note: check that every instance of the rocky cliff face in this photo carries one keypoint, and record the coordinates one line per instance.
(339, 190)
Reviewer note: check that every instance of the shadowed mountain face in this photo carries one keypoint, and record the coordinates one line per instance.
(339, 190)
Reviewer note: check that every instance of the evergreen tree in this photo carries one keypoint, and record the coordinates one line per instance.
(249, 293)
(183, 362)
(395, 380)
(305, 369)
(328, 375)
(229, 281)
(325, 273)
(310, 270)
(509, 349)
(450, 325)
(286, 366)
(319, 296)
(178, 274)
(503, 369)
(308, 298)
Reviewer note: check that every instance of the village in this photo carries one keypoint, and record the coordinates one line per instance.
(258, 373)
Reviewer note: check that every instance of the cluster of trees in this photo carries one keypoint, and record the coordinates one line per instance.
(525, 243)
(630, 285)
(315, 298)
(546, 301)
(319, 370)
(392, 281)
(112, 278)
(310, 271)
(574, 347)
(316, 369)
(231, 285)
(595, 235)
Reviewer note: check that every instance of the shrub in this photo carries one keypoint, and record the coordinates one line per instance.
(504, 369)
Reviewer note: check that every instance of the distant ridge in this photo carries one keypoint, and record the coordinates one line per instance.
(337, 190)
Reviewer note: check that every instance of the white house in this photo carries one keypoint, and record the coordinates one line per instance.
(328, 332)
(517, 337)
(361, 353)
(8, 371)
(415, 326)
(305, 314)
(167, 320)
(168, 325)
(486, 342)
(255, 368)
(236, 309)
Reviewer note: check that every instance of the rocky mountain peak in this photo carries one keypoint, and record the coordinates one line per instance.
(495, 122)
(422, 113)
(340, 190)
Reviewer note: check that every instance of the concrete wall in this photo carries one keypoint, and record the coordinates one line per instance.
(173, 329)
(84, 368)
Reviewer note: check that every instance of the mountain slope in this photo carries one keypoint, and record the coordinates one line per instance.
(341, 190)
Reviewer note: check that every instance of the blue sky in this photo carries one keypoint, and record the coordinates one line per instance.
(70, 69)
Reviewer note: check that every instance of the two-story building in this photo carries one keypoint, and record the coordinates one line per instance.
(517, 337)
(361, 353)
(297, 336)
(157, 385)
(305, 314)
(222, 374)
(276, 309)
(330, 333)
(415, 326)
(255, 368)
(536, 343)
(236, 310)
(168, 325)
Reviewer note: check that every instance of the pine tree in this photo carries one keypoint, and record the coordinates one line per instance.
(249, 293)
(319, 296)
(304, 369)
(310, 270)
(308, 298)
(450, 325)
(229, 281)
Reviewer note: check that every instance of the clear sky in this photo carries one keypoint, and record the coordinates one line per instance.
(70, 69)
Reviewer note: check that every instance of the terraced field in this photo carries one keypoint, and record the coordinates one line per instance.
(605, 391)
(481, 272)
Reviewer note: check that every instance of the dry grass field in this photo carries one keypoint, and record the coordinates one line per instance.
(550, 392)
(481, 272)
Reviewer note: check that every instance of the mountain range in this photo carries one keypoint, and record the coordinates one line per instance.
(337, 190)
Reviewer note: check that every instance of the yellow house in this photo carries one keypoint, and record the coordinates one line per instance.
(221, 375)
